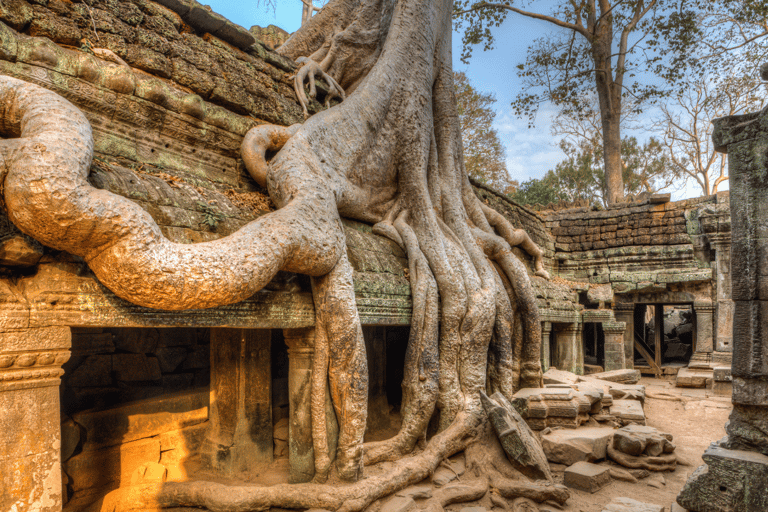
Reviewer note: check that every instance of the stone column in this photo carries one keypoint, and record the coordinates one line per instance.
(239, 435)
(702, 356)
(614, 345)
(546, 357)
(30, 431)
(301, 453)
(736, 473)
(625, 312)
(301, 458)
(570, 349)
(725, 307)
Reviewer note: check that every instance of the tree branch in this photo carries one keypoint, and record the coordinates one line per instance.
(534, 15)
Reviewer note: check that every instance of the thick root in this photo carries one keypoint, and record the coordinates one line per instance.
(537, 492)
(457, 493)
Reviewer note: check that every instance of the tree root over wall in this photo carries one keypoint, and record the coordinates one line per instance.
(390, 154)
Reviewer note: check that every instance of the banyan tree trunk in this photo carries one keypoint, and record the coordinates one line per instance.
(390, 154)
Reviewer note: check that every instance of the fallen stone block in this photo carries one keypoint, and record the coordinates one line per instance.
(693, 378)
(620, 376)
(637, 440)
(722, 374)
(733, 480)
(622, 474)
(571, 446)
(628, 411)
(517, 439)
(555, 376)
(630, 505)
(142, 419)
(111, 467)
(586, 476)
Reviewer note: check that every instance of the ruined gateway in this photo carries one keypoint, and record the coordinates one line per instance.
(128, 360)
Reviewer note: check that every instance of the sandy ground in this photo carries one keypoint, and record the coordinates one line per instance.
(693, 417)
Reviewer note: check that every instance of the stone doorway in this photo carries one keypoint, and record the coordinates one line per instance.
(594, 346)
(664, 336)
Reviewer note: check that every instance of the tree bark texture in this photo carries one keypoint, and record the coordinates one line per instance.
(390, 154)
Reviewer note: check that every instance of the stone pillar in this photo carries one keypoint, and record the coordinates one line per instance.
(30, 423)
(570, 349)
(625, 312)
(546, 357)
(614, 345)
(301, 458)
(239, 435)
(301, 452)
(705, 329)
(735, 475)
(725, 307)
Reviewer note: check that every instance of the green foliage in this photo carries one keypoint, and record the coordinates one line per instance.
(484, 155)
(646, 168)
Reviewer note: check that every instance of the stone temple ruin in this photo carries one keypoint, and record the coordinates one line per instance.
(99, 394)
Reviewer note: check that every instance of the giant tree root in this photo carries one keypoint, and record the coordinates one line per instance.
(457, 493)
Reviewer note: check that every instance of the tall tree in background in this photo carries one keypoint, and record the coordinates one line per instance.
(686, 121)
(601, 46)
(484, 155)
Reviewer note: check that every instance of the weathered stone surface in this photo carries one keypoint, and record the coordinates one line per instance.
(586, 476)
(179, 446)
(142, 419)
(20, 251)
(693, 378)
(622, 376)
(135, 367)
(628, 411)
(95, 371)
(150, 473)
(416, 492)
(137, 341)
(636, 440)
(555, 376)
(443, 476)
(570, 446)
(111, 467)
(523, 449)
(730, 480)
(630, 505)
(722, 374)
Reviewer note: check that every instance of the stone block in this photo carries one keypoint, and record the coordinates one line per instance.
(722, 388)
(199, 358)
(177, 446)
(150, 473)
(94, 371)
(630, 505)
(732, 480)
(693, 378)
(637, 440)
(142, 419)
(170, 358)
(628, 411)
(586, 476)
(517, 439)
(92, 343)
(135, 368)
(722, 374)
(555, 376)
(136, 341)
(571, 446)
(111, 467)
(621, 376)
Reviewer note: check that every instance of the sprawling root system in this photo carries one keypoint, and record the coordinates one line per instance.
(390, 154)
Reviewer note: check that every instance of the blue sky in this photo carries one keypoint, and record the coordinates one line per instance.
(530, 152)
